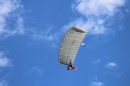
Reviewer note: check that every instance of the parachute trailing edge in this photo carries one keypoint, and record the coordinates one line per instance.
(70, 45)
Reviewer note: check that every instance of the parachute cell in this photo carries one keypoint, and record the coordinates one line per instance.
(70, 45)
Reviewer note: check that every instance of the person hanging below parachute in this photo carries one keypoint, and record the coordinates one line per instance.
(70, 46)
(71, 67)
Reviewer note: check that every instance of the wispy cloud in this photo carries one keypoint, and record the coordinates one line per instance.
(4, 61)
(118, 74)
(44, 35)
(98, 7)
(97, 61)
(37, 69)
(9, 12)
(47, 36)
(3, 83)
(96, 15)
(111, 65)
(97, 84)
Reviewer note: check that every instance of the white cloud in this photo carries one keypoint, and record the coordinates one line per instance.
(8, 12)
(97, 84)
(111, 65)
(96, 16)
(98, 7)
(4, 61)
(90, 25)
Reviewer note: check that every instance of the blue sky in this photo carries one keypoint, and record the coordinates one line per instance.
(31, 32)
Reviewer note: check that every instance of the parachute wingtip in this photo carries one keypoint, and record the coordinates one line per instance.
(79, 29)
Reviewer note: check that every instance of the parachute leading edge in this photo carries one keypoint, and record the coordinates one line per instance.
(70, 45)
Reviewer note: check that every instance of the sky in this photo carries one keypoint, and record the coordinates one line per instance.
(31, 32)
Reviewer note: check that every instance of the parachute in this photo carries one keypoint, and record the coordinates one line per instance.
(70, 45)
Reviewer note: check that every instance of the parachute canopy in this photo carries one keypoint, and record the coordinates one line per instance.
(70, 45)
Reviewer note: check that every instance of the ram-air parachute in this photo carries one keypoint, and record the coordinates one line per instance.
(70, 45)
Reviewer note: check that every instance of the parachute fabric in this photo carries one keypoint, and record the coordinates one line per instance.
(70, 45)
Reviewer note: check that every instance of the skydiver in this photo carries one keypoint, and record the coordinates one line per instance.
(70, 67)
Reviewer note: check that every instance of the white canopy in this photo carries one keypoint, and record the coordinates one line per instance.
(70, 45)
